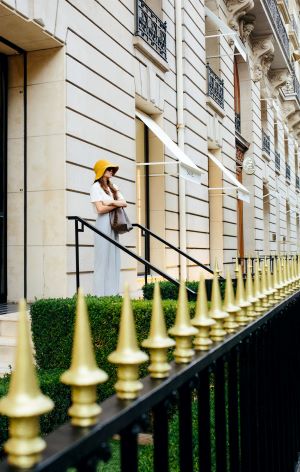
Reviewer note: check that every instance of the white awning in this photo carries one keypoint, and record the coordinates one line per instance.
(227, 32)
(187, 169)
(242, 192)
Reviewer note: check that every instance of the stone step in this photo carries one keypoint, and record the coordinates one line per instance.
(7, 352)
(8, 325)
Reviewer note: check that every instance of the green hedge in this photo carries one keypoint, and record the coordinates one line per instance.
(169, 291)
(52, 328)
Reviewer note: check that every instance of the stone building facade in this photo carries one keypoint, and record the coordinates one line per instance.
(79, 79)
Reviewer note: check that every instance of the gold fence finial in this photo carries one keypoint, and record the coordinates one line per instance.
(251, 313)
(230, 324)
(241, 301)
(217, 332)
(276, 283)
(217, 268)
(127, 356)
(264, 289)
(270, 282)
(24, 403)
(257, 289)
(236, 267)
(183, 331)
(202, 320)
(84, 375)
(158, 341)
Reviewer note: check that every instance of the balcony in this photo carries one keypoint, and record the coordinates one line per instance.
(293, 31)
(288, 172)
(215, 87)
(297, 182)
(292, 89)
(283, 6)
(266, 143)
(279, 26)
(150, 28)
(238, 122)
(277, 162)
(269, 22)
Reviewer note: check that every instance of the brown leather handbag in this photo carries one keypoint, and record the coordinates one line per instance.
(119, 221)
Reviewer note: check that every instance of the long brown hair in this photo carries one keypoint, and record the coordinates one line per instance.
(109, 186)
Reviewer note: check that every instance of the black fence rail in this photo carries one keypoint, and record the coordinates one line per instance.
(149, 27)
(215, 87)
(237, 409)
(270, 258)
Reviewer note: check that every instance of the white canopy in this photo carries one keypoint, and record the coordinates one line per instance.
(187, 169)
(227, 32)
(242, 192)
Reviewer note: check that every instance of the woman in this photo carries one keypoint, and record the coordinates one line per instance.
(105, 197)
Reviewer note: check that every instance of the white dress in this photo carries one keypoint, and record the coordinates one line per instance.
(107, 255)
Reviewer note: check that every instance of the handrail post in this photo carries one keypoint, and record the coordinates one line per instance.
(77, 255)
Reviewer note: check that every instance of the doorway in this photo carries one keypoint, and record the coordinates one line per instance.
(3, 178)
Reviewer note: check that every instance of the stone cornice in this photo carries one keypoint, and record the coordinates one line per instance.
(278, 78)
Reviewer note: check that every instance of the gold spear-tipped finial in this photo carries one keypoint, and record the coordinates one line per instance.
(264, 289)
(202, 320)
(158, 341)
(257, 289)
(217, 332)
(229, 306)
(24, 403)
(241, 317)
(236, 267)
(280, 278)
(127, 356)
(217, 268)
(298, 270)
(276, 283)
(183, 331)
(285, 277)
(251, 313)
(270, 284)
(84, 375)
(289, 276)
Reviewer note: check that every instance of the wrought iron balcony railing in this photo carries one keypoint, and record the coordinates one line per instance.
(277, 161)
(151, 28)
(279, 26)
(238, 122)
(297, 182)
(288, 172)
(266, 143)
(215, 88)
(294, 25)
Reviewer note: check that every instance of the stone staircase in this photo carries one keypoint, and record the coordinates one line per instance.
(8, 332)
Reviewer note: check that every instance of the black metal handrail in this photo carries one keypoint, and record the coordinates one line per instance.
(149, 27)
(146, 263)
(215, 87)
(256, 402)
(147, 232)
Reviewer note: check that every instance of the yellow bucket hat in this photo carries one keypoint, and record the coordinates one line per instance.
(101, 166)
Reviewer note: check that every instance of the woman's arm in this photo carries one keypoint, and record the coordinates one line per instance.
(103, 208)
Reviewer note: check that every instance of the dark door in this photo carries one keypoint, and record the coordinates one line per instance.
(3, 178)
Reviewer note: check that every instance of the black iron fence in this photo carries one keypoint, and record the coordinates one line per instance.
(297, 182)
(266, 143)
(151, 28)
(215, 87)
(277, 161)
(288, 172)
(230, 401)
(237, 409)
(238, 122)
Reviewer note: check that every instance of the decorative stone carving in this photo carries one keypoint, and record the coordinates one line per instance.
(294, 119)
(263, 55)
(278, 78)
(288, 108)
(246, 27)
(236, 10)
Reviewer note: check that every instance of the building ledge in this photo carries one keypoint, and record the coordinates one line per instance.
(215, 107)
(140, 44)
